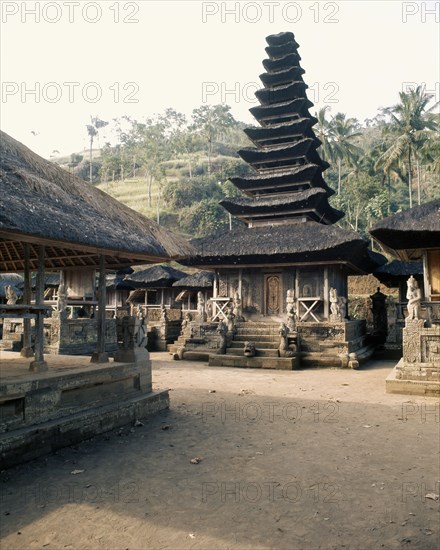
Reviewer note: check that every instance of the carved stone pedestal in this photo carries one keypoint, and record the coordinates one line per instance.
(418, 372)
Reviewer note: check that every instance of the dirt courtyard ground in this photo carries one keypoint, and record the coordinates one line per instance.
(292, 460)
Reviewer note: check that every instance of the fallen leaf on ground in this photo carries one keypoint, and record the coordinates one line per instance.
(196, 460)
(138, 423)
(75, 472)
(432, 496)
(192, 536)
(166, 427)
(211, 391)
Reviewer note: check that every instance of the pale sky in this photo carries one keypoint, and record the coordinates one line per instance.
(63, 61)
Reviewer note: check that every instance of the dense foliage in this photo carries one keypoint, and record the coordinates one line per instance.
(379, 167)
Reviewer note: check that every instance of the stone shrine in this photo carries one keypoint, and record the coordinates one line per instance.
(288, 265)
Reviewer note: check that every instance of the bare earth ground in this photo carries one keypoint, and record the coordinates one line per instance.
(306, 459)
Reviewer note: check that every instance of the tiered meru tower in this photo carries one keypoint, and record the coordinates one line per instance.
(289, 186)
(289, 256)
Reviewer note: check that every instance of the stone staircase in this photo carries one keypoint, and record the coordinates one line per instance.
(265, 336)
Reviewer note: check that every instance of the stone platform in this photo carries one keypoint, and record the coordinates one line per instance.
(418, 372)
(74, 400)
(394, 384)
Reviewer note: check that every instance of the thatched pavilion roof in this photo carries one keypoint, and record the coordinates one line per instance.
(201, 279)
(157, 276)
(407, 233)
(40, 203)
(285, 244)
(51, 280)
(393, 273)
(116, 281)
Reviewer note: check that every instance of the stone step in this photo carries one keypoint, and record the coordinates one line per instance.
(239, 344)
(263, 352)
(279, 363)
(258, 325)
(257, 338)
(256, 331)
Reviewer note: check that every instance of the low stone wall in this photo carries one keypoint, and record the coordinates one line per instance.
(77, 336)
(62, 336)
(345, 337)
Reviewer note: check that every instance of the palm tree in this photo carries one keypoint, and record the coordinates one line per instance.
(322, 131)
(342, 131)
(92, 130)
(406, 133)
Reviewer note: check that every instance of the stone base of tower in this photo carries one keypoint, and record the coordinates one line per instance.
(321, 344)
(333, 344)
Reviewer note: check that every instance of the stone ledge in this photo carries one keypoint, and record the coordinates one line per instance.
(278, 363)
(427, 388)
(31, 442)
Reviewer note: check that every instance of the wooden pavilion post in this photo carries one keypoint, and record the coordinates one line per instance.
(100, 356)
(39, 364)
(215, 287)
(326, 295)
(26, 350)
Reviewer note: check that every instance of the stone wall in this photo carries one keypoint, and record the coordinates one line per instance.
(77, 336)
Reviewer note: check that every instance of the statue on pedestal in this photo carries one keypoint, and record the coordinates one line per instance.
(11, 296)
(285, 349)
(414, 297)
(222, 330)
(230, 316)
(290, 310)
(338, 306)
(163, 313)
(201, 315)
(335, 307)
(342, 302)
(237, 307)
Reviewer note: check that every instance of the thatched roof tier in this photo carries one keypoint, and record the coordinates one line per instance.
(287, 92)
(283, 156)
(43, 204)
(157, 276)
(276, 134)
(311, 203)
(282, 112)
(11, 279)
(201, 279)
(294, 179)
(275, 65)
(281, 38)
(291, 244)
(280, 51)
(408, 233)
(393, 273)
(292, 74)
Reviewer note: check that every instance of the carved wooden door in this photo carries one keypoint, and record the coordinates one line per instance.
(273, 294)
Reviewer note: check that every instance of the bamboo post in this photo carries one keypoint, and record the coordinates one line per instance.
(39, 364)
